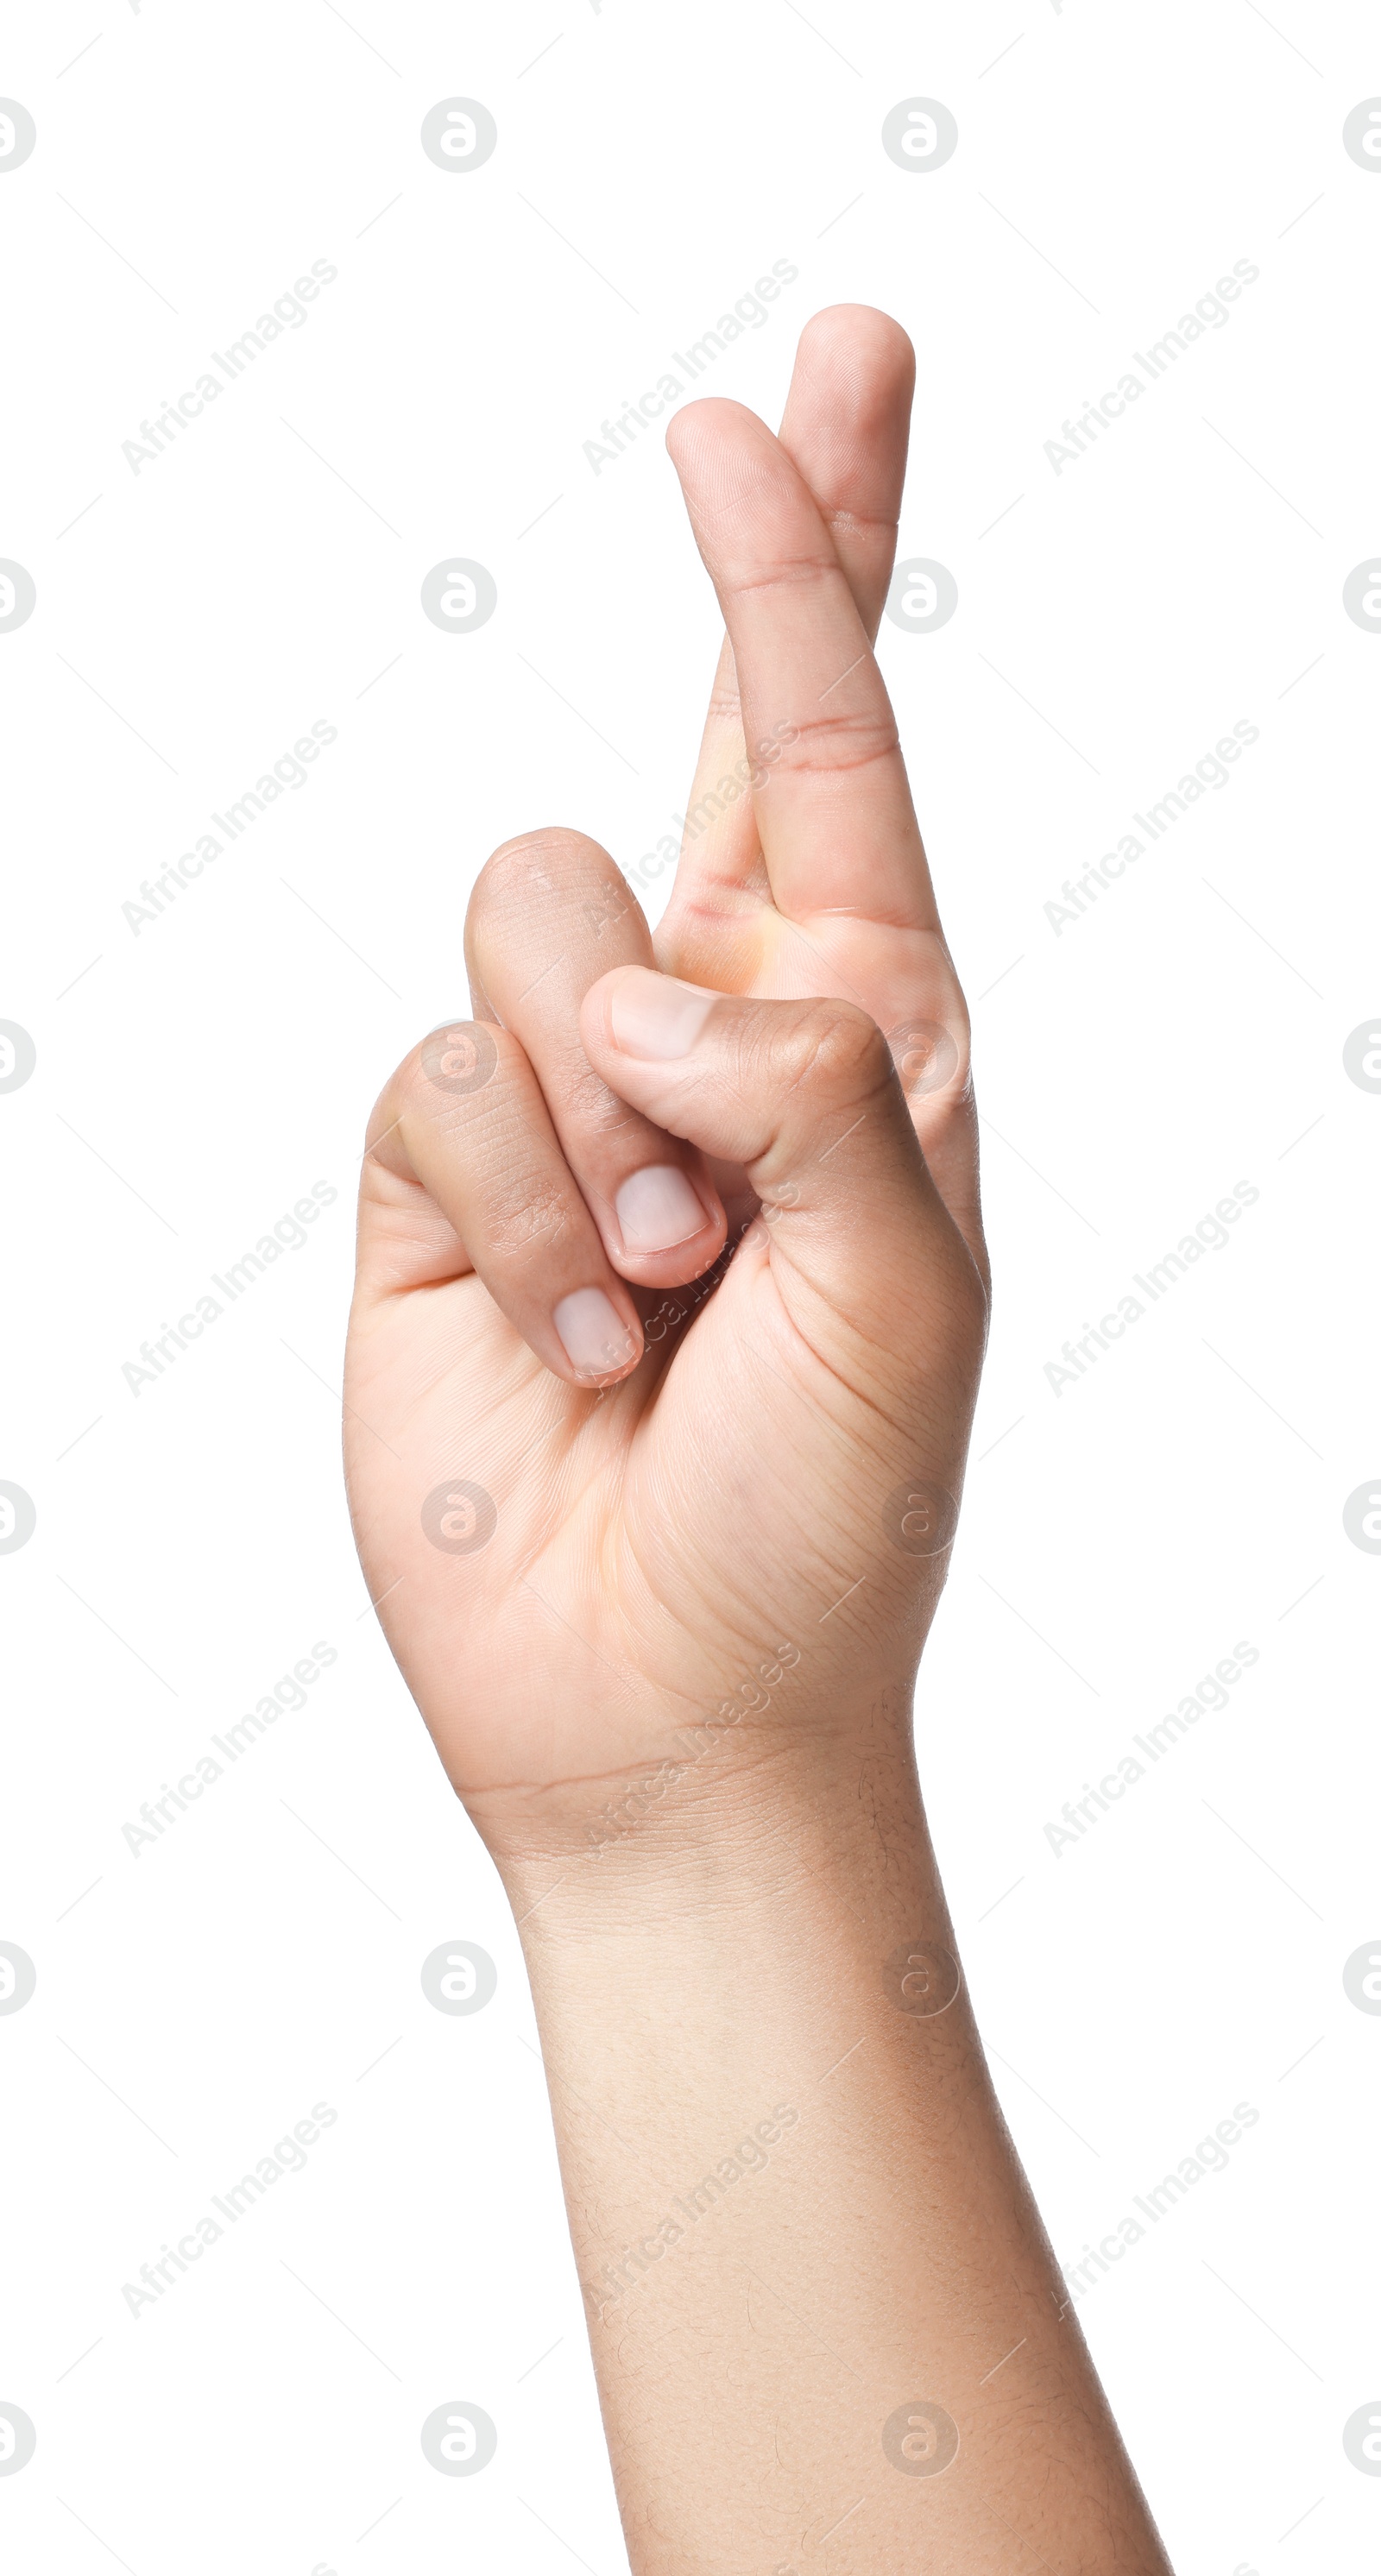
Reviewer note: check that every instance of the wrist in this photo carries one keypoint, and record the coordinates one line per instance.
(716, 1807)
(777, 1867)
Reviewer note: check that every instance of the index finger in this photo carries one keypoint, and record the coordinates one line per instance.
(835, 819)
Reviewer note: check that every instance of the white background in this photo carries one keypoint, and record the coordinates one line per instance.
(193, 1081)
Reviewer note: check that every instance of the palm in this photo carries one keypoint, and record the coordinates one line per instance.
(565, 1647)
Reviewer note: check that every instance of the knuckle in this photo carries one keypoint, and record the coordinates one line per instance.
(523, 1213)
(842, 742)
(839, 1053)
(751, 578)
(846, 522)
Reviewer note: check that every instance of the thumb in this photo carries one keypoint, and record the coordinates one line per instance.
(805, 1095)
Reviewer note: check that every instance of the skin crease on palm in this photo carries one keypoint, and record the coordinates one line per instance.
(664, 1523)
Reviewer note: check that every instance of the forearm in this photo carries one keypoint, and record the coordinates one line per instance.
(798, 2218)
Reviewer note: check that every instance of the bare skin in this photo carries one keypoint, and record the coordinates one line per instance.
(671, 1304)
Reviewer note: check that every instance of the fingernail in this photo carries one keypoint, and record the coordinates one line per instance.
(657, 1208)
(652, 1015)
(594, 1334)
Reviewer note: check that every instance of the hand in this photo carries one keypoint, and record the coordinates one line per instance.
(600, 1505)
(670, 1310)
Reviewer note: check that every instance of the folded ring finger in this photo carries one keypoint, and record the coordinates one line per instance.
(465, 1119)
(549, 915)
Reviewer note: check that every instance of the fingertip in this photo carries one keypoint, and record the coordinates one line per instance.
(708, 412)
(864, 334)
(635, 1011)
(600, 1334)
(708, 439)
